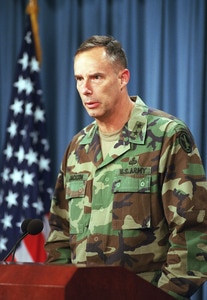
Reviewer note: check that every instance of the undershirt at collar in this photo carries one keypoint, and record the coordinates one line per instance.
(108, 140)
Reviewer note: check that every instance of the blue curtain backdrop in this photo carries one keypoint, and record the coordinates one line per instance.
(166, 44)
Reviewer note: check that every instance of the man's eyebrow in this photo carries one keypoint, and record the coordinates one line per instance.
(96, 73)
(90, 75)
(77, 75)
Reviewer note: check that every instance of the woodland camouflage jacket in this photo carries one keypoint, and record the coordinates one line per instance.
(144, 207)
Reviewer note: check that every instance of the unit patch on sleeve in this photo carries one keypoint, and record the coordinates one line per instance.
(185, 141)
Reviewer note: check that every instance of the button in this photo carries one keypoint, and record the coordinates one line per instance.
(142, 183)
(96, 238)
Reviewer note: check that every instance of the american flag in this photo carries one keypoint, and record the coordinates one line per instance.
(25, 174)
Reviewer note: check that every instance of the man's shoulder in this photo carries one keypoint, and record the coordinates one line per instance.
(156, 114)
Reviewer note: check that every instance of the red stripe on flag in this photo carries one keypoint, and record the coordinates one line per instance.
(35, 247)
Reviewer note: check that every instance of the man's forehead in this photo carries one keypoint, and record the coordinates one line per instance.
(92, 61)
(94, 53)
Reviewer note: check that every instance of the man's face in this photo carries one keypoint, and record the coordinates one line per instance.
(98, 83)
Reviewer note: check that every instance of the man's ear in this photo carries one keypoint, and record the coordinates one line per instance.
(124, 76)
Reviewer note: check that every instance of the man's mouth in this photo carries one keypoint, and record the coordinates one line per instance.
(91, 104)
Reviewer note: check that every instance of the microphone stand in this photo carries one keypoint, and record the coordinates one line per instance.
(15, 247)
(17, 244)
(28, 226)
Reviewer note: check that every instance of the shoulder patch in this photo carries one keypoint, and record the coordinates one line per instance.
(186, 141)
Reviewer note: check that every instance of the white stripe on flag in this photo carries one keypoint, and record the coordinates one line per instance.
(22, 254)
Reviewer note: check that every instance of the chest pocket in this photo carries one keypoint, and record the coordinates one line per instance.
(75, 194)
(132, 184)
(131, 205)
(76, 186)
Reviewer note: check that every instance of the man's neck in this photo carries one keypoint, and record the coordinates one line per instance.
(118, 121)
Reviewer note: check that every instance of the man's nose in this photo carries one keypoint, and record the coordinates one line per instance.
(86, 87)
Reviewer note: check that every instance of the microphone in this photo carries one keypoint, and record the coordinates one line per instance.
(24, 225)
(35, 226)
(28, 226)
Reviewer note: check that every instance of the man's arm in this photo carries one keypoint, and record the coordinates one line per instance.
(184, 196)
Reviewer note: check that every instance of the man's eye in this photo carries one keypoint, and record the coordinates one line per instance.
(96, 77)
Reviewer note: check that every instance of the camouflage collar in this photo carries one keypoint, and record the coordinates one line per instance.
(134, 130)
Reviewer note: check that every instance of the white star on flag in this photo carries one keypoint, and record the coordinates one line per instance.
(17, 106)
(6, 221)
(8, 151)
(3, 242)
(12, 129)
(16, 176)
(24, 61)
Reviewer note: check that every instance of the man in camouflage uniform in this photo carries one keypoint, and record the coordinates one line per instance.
(132, 190)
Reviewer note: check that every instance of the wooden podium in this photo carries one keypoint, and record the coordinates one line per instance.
(60, 282)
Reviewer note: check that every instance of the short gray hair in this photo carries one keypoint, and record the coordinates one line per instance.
(113, 48)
